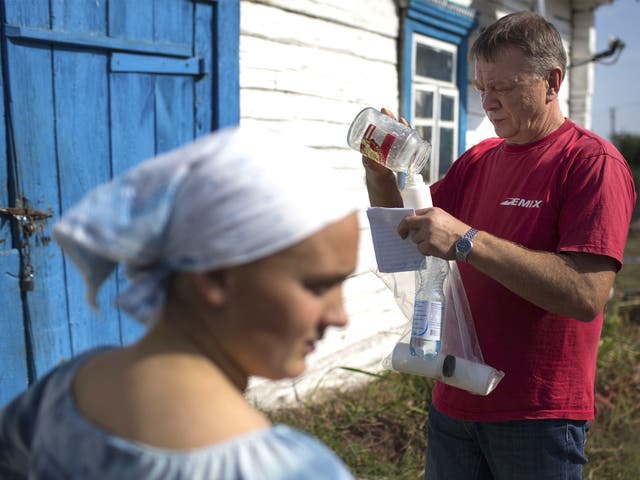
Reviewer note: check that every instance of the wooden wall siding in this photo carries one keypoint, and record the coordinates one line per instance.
(81, 115)
(306, 69)
(313, 73)
(374, 16)
(580, 81)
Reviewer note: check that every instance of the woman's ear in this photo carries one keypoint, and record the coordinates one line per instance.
(212, 287)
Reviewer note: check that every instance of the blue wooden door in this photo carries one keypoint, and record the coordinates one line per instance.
(91, 88)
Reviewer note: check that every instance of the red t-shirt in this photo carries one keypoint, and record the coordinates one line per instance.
(571, 191)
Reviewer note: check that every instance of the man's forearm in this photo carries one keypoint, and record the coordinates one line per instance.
(575, 285)
(383, 189)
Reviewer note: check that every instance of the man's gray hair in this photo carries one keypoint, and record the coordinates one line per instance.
(535, 37)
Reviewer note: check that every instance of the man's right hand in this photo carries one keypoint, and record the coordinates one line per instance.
(381, 182)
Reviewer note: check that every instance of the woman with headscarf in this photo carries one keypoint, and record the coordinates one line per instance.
(237, 269)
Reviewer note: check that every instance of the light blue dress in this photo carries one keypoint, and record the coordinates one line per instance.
(43, 436)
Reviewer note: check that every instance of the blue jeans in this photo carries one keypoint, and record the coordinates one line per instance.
(514, 450)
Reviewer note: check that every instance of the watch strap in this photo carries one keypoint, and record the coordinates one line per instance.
(470, 233)
(468, 237)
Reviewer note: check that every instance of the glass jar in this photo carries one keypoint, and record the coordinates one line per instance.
(388, 142)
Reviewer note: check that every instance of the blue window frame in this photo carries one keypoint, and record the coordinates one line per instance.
(434, 77)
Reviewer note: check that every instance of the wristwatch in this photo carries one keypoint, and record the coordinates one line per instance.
(465, 244)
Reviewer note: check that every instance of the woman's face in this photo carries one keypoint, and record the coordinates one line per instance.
(279, 307)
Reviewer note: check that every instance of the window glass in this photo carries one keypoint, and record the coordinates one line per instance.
(424, 104)
(434, 62)
(447, 105)
(425, 133)
(435, 101)
(445, 150)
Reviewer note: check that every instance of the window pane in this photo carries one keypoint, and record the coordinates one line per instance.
(446, 107)
(425, 133)
(434, 63)
(424, 104)
(446, 150)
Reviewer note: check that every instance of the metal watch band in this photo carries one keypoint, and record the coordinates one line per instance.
(470, 233)
(465, 245)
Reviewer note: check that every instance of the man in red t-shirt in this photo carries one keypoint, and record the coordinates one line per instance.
(538, 221)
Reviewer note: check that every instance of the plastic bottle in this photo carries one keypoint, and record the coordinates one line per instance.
(429, 303)
(388, 142)
(428, 308)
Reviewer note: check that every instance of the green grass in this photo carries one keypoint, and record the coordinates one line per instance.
(379, 428)
(629, 277)
(614, 440)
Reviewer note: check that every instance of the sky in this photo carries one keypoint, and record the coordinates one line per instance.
(617, 86)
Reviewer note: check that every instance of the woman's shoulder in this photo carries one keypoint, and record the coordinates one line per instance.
(68, 442)
(277, 452)
(168, 401)
(27, 417)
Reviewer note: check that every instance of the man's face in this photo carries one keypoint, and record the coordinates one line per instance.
(514, 99)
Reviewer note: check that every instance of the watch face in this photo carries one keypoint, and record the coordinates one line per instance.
(463, 246)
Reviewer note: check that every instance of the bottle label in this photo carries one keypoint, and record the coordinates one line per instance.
(376, 144)
(427, 319)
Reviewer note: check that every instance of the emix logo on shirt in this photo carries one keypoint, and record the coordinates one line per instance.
(521, 202)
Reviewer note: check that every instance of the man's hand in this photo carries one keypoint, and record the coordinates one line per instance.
(381, 182)
(434, 231)
(371, 165)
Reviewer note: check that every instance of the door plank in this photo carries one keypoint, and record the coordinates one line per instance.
(13, 354)
(14, 376)
(84, 40)
(33, 120)
(174, 112)
(158, 108)
(33, 13)
(132, 122)
(203, 47)
(132, 140)
(173, 22)
(82, 135)
(225, 73)
(79, 124)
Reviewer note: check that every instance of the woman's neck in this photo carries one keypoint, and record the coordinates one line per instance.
(173, 335)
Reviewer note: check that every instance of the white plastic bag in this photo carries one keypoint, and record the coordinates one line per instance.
(459, 362)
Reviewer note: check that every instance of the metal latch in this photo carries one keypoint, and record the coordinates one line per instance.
(27, 219)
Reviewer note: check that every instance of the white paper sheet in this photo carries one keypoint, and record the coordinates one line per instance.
(393, 254)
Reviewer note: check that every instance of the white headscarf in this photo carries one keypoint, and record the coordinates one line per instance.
(231, 197)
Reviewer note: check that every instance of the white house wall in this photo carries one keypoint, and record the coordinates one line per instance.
(581, 80)
(307, 67)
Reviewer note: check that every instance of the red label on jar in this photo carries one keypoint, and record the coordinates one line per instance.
(376, 145)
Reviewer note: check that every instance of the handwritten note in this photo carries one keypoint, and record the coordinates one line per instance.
(393, 254)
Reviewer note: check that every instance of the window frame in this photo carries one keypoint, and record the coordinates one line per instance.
(448, 25)
(439, 88)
